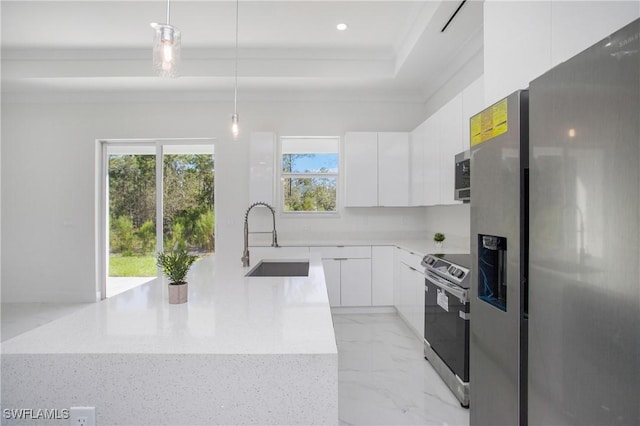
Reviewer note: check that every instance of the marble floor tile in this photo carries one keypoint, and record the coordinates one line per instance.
(384, 378)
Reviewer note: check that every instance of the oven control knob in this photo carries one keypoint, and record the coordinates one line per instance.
(460, 273)
(453, 270)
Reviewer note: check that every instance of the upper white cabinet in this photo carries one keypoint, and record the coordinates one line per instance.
(450, 142)
(417, 141)
(472, 103)
(361, 169)
(434, 144)
(261, 167)
(376, 169)
(393, 169)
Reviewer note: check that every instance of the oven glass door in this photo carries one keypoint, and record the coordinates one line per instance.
(446, 329)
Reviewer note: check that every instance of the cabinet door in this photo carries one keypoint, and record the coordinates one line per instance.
(416, 308)
(397, 278)
(417, 141)
(332, 278)
(393, 169)
(261, 167)
(361, 169)
(431, 175)
(472, 103)
(355, 282)
(451, 143)
(405, 296)
(382, 275)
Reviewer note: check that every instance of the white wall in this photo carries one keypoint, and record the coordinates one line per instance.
(524, 39)
(48, 173)
(453, 221)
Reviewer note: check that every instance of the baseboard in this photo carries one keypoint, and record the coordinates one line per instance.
(363, 310)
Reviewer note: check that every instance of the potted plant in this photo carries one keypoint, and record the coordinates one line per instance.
(438, 238)
(175, 264)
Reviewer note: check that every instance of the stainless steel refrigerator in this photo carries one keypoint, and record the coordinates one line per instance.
(584, 275)
(555, 215)
(497, 340)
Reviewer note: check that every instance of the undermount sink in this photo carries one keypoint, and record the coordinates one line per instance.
(270, 268)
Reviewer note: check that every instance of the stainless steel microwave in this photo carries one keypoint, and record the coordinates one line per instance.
(463, 177)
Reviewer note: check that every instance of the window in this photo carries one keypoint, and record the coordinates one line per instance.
(309, 174)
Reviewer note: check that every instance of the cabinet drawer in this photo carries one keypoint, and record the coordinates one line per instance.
(410, 259)
(343, 252)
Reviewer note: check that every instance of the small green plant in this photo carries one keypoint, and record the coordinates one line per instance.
(438, 237)
(175, 263)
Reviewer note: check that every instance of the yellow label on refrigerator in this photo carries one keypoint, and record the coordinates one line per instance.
(490, 123)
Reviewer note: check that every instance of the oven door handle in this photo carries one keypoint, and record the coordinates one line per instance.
(459, 292)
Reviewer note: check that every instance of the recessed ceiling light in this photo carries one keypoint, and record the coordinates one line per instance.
(342, 27)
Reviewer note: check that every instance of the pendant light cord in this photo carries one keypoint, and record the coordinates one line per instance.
(168, 12)
(235, 93)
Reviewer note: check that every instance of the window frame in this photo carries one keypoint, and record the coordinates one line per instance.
(284, 175)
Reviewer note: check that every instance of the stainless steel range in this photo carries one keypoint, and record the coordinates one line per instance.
(446, 319)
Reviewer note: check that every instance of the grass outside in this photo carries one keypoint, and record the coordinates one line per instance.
(132, 266)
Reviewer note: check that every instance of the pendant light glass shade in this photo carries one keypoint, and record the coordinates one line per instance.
(166, 50)
(235, 129)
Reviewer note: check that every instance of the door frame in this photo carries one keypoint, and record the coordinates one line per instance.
(104, 147)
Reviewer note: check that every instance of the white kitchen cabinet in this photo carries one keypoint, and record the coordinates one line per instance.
(261, 167)
(431, 163)
(333, 279)
(409, 288)
(376, 169)
(361, 169)
(417, 142)
(472, 103)
(348, 274)
(450, 143)
(382, 275)
(416, 304)
(393, 169)
(397, 279)
(355, 282)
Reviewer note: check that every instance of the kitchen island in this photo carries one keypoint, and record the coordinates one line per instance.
(243, 350)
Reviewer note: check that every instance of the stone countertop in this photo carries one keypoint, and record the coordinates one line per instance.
(227, 313)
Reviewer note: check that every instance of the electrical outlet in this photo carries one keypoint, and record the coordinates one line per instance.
(82, 416)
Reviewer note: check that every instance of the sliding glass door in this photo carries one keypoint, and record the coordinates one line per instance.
(146, 183)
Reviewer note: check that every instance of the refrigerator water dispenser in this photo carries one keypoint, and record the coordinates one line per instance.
(492, 268)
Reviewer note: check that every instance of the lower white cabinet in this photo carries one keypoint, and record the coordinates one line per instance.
(409, 290)
(355, 282)
(333, 279)
(347, 272)
(382, 275)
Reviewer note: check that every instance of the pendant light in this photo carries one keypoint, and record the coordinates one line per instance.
(235, 118)
(166, 48)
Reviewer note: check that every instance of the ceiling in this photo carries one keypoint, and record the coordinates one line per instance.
(391, 50)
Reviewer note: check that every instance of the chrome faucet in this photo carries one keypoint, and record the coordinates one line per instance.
(274, 234)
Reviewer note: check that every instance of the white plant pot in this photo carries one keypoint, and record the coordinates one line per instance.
(178, 293)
